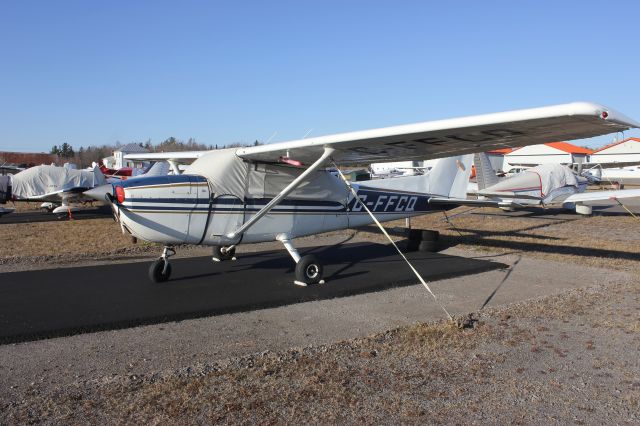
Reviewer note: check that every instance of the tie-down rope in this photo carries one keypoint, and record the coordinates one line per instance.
(616, 199)
(384, 231)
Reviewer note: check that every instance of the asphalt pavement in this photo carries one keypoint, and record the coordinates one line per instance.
(40, 216)
(66, 301)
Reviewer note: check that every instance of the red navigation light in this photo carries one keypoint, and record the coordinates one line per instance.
(120, 194)
(604, 114)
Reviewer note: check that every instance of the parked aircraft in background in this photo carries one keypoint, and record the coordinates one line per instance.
(282, 191)
(56, 187)
(157, 168)
(607, 174)
(544, 185)
(10, 169)
(176, 160)
(395, 169)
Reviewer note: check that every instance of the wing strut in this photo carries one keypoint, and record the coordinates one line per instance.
(276, 200)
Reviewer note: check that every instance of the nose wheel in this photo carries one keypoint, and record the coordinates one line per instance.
(160, 269)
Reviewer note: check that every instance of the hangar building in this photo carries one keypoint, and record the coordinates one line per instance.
(553, 152)
(623, 151)
(131, 148)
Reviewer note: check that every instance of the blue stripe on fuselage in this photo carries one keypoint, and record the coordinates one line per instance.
(376, 200)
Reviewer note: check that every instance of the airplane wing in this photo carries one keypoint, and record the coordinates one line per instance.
(610, 164)
(58, 195)
(602, 195)
(445, 138)
(585, 165)
(178, 156)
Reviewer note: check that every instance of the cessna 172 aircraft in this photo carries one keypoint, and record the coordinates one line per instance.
(282, 191)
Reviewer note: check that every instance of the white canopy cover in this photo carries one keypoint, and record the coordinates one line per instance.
(229, 174)
(43, 180)
(543, 179)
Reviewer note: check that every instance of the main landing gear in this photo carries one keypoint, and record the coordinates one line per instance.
(309, 270)
(160, 269)
(221, 253)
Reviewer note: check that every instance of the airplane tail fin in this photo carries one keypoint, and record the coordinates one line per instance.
(449, 178)
(98, 178)
(485, 175)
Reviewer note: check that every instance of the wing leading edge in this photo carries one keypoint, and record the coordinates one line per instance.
(444, 138)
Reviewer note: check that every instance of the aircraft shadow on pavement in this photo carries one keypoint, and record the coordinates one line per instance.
(66, 301)
(346, 256)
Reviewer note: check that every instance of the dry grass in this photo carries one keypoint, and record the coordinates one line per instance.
(75, 237)
(600, 241)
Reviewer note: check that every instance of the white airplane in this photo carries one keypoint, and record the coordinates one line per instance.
(613, 172)
(282, 191)
(543, 185)
(176, 160)
(56, 187)
(396, 169)
(4, 211)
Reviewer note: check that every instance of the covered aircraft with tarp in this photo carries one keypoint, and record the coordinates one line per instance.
(55, 186)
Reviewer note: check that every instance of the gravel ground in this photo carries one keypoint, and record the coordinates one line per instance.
(558, 342)
(569, 358)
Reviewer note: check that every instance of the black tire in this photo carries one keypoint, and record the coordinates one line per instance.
(226, 255)
(412, 245)
(428, 246)
(414, 234)
(309, 270)
(156, 271)
(429, 235)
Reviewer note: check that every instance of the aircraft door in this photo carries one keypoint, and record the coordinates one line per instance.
(227, 215)
(195, 199)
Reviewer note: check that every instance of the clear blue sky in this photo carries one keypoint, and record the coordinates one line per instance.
(89, 72)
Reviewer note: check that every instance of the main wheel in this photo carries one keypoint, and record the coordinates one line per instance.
(219, 255)
(428, 246)
(429, 235)
(414, 235)
(309, 270)
(157, 272)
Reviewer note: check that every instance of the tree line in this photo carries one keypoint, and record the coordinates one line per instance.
(84, 156)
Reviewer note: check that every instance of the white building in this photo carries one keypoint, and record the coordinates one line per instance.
(131, 148)
(553, 152)
(623, 151)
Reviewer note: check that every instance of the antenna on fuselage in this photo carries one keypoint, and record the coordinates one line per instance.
(307, 134)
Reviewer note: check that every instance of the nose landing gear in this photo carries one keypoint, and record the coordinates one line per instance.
(160, 269)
